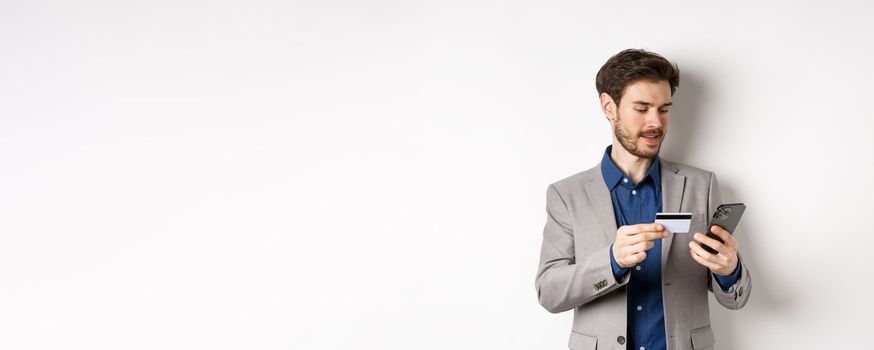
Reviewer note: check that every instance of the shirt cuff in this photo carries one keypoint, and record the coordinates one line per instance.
(725, 282)
(618, 272)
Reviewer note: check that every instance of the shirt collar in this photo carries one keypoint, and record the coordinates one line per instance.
(612, 175)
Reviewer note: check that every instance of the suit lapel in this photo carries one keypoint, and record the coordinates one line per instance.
(673, 185)
(599, 196)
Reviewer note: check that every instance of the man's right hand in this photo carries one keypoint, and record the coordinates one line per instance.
(632, 242)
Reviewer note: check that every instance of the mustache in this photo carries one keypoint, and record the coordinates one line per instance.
(652, 133)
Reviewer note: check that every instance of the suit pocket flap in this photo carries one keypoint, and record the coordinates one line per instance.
(702, 337)
(580, 341)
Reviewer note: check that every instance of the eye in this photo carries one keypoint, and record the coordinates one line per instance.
(664, 111)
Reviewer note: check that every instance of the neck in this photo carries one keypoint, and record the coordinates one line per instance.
(632, 166)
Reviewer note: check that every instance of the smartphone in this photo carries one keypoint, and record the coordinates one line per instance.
(726, 216)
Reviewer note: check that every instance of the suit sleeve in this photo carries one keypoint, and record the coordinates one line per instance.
(565, 281)
(736, 296)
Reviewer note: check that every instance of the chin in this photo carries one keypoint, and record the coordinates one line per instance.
(647, 151)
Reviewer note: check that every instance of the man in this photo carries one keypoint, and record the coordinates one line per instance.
(631, 283)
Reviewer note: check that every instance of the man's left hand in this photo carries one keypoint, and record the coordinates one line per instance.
(725, 261)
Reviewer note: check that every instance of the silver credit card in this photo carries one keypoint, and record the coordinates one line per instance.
(675, 222)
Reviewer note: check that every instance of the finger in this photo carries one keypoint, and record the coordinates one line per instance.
(626, 250)
(640, 247)
(635, 258)
(635, 229)
(623, 231)
(634, 249)
(703, 254)
(647, 236)
(649, 227)
(649, 245)
(712, 243)
(711, 266)
(725, 235)
(718, 261)
(721, 232)
(625, 261)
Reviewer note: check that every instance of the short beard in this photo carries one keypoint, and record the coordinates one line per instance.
(629, 141)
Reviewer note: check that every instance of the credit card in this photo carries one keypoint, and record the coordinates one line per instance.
(675, 222)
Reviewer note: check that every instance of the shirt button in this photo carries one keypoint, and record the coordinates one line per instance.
(620, 340)
(639, 308)
(625, 180)
(633, 192)
(637, 267)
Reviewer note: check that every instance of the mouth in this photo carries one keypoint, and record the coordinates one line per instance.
(651, 139)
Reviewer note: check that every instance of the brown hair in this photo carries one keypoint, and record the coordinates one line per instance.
(631, 65)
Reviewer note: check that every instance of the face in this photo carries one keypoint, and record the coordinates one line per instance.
(640, 123)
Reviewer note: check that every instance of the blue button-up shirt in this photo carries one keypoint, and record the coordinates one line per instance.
(638, 203)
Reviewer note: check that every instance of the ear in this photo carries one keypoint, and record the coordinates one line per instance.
(608, 106)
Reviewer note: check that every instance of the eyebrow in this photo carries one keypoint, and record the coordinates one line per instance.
(650, 104)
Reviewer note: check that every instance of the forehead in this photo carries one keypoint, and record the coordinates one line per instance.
(655, 92)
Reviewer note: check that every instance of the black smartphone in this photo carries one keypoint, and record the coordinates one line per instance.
(726, 216)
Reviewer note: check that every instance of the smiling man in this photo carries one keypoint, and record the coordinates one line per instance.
(630, 283)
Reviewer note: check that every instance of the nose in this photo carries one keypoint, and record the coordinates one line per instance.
(653, 118)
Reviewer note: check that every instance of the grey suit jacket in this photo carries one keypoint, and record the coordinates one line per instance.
(575, 273)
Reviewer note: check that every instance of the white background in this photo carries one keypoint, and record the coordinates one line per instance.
(372, 175)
